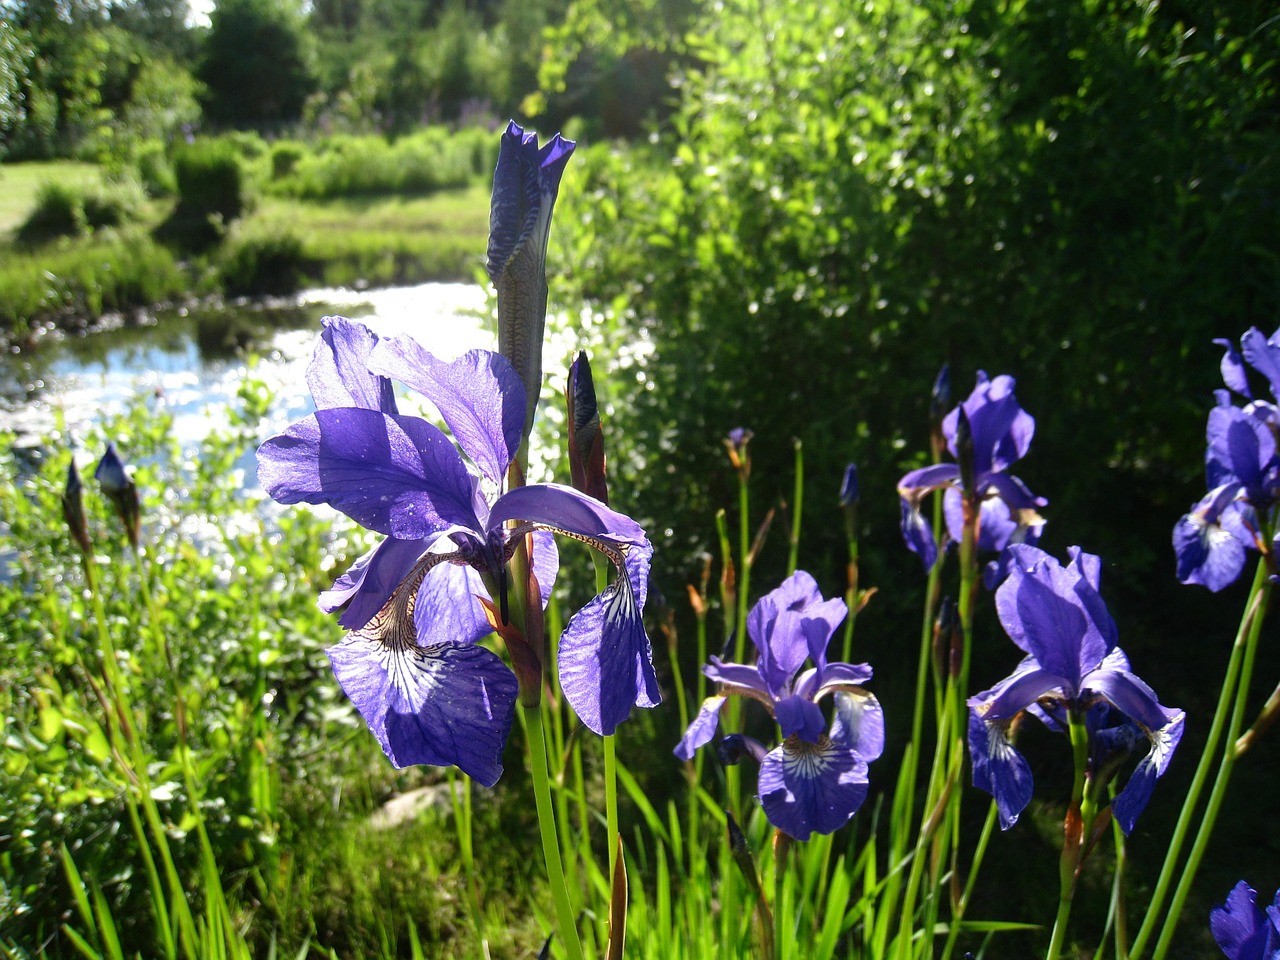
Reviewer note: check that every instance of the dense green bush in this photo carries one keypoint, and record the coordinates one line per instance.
(1081, 196)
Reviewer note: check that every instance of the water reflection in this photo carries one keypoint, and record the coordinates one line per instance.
(193, 360)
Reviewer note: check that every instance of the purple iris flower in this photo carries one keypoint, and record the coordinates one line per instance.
(410, 662)
(1242, 472)
(1057, 616)
(1242, 930)
(999, 434)
(816, 778)
(526, 182)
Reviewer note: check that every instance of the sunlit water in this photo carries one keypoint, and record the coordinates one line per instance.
(191, 362)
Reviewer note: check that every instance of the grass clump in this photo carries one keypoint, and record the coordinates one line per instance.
(70, 210)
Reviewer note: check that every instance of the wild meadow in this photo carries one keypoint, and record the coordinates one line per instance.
(885, 572)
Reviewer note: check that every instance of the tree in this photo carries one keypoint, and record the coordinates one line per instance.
(256, 64)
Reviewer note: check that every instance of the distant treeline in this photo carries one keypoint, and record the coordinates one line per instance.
(97, 79)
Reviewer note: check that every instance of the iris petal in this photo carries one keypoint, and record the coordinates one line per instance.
(998, 767)
(479, 396)
(1132, 800)
(446, 705)
(808, 788)
(395, 475)
(702, 729)
(368, 583)
(338, 375)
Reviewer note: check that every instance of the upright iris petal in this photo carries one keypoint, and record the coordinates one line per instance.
(413, 607)
(1072, 665)
(525, 184)
(815, 779)
(1242, 930)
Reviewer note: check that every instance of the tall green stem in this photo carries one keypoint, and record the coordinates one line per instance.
(1231, 685)
(1225, 769)
(1075, 828)
(547, 828)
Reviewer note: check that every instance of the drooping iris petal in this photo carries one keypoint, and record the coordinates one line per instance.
(808, 788)
(1132, 800)
(858, 724)
(479, 396)
(338, 375)
(1232, 368)
(605, 659)
(394, 475)
(447, 705)
(912, 489)
(702, 729)
(1211, 542)
(998, 767)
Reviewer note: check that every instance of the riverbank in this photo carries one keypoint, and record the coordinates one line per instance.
(280, 245)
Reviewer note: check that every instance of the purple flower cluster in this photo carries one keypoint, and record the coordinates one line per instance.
(986, 435)
(1072, 666)
(1242, 471)
(816, 778)
(411, 662)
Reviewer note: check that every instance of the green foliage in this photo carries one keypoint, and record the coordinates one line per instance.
(151, 160)
(117, 270)
(1078, 197)
(161, 105)
(256, 63)
(429, 160)
(15, 59)
(213, 188)
(259, 262)
(65, 210)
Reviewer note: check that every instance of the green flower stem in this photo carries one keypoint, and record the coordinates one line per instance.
(1225, 769)
(1075, 829)
(1115, 911)
(610, 744)
(1232, 683)
(797, 508)
(536, 737)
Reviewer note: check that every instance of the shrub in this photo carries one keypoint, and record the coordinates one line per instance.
(59, 212)
(210, 179)
(154, 170)
(285, 156)
(264, 262)
(64, 210)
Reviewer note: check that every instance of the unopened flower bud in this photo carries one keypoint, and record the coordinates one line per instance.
(118, 486)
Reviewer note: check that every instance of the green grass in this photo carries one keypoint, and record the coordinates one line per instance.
(277, 246)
